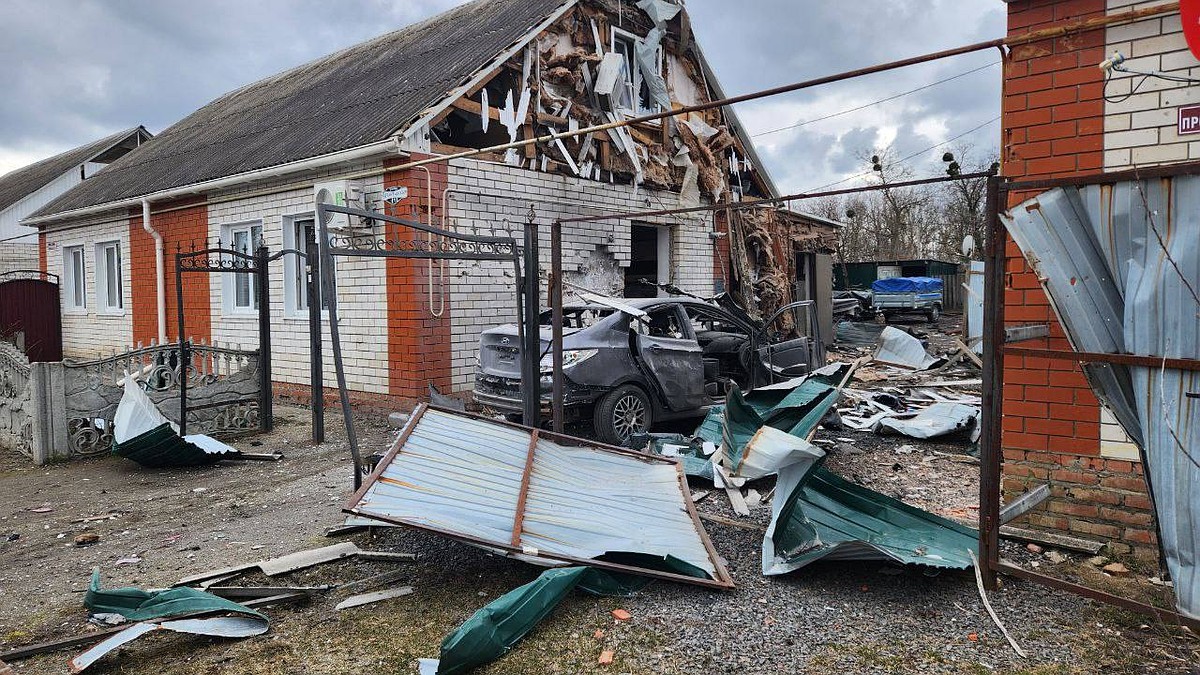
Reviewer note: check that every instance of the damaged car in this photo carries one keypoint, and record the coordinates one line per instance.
(629, 364)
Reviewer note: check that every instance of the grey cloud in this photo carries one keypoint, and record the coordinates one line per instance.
(75, 70)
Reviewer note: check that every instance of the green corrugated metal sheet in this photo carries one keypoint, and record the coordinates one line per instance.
(826, 516)
(161, 447)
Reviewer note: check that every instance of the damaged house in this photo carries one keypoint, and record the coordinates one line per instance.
(247, 169)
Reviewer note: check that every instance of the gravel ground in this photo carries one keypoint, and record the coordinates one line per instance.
(853, 617)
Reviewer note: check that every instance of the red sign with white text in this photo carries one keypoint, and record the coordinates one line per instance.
(1189, 120)
(1189, 10)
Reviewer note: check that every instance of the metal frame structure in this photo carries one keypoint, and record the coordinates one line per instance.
(212, 260)
(999, 190)
(440, 245)
(723, 580)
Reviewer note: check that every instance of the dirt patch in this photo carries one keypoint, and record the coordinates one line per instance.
(856, 617)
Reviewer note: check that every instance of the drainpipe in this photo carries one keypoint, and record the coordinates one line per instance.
(160, 289)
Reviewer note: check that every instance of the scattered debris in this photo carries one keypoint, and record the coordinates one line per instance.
(606, 657)
(377, 596)
(131, 560)
(1061, 541)
(818, 514)
(939, 419)
(144, 607)
(1055, 557)
(897, 348)
(1116, 569)
(291, 563)
(87, 539)
(621, 615)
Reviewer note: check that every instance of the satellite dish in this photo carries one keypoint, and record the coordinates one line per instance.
(968, 247)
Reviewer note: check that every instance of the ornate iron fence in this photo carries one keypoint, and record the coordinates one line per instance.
(223, 391)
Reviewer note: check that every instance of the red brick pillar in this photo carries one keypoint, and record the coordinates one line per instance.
(182, 228)
(418, 342)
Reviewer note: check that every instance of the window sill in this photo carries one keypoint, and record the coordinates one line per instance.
(79, 311)
(110, 313)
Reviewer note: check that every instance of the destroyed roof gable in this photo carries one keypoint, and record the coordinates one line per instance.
(361, 95)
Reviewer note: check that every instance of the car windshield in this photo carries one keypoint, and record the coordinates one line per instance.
(578, 317)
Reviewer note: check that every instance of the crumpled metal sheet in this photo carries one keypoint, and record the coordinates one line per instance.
(897, 348)
(647, 57)
(938, 419)
(222, 626)
(1120, 264)
(143, 434)
(143, 606)
(465, 477)
(493, 630)
(660, 11)
(817, 515)
(857, 333)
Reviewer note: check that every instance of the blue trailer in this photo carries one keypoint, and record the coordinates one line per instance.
(902, 295)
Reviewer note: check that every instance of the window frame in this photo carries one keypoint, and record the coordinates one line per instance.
(73, 278)
(295, 278)
(102, 270)
(634, 83)
(229, 233)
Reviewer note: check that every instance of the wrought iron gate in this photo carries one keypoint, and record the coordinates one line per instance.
(440, 245)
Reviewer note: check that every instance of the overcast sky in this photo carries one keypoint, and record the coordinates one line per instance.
(76, 70)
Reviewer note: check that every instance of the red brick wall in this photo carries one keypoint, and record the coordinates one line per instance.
(418, 343)
(180, 229)
(1053, 118)
(42, 256)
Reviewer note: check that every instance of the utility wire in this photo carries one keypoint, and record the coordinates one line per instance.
(909, 157)
(874, 103)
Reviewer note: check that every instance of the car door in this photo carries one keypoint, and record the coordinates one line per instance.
(669, 350)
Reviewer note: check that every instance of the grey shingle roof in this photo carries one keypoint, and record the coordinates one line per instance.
(354, 97)
(20, 183)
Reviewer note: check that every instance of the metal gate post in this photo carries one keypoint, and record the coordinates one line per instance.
(183, 351)
(556, 306)
(993, 388)
(531, 387)
(316, 370)
(262, 273)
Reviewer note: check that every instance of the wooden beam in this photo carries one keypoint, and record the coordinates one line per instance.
(475, 108)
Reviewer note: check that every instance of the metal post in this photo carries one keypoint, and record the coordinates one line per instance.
(993, 388)
(556, 306)
(183, 352)
(262, 274)
(329, 292)
(316, 369)
(531, 388)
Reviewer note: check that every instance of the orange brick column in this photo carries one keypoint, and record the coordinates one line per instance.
(1053, 113)
(42, 255)
(180, 229)
(418, 342)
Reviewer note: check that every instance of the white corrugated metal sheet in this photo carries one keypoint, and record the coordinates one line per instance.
(463, 476)
(1121, 264)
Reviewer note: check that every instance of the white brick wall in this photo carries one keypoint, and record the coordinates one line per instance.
(1141, 130)
(496, 198)
(90, 334)
(362, 301)
(18, 256)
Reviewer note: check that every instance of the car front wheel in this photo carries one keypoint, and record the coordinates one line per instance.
(622, 412)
